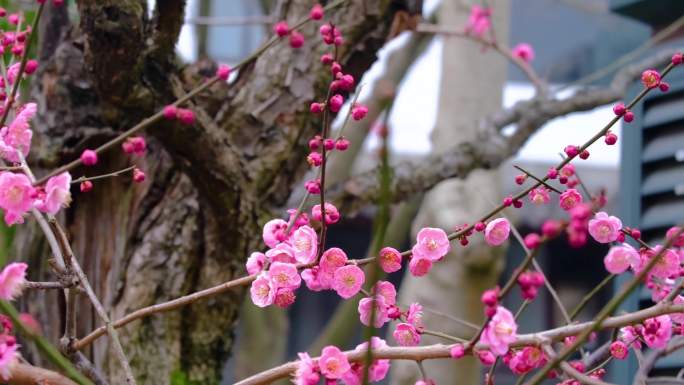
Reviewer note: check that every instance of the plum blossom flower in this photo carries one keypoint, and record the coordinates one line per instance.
(305, 244)
(282, 252)
(479, 21)
(17, 136)
(333, 363)
(16, 196)
(539, 196)
(331, 260)
(523, 51)
(306, 373)
(415, 315)
(12, 280)
(332, 215)
(255, 263)
(619, 350)
(605, 228)
(378, 369)
(432, 243)
(312, 279)
(500, 331)
(8, 357)
(497, 231)
(366, 308)
(57, 194)
(569, 199)
(387, 291)
(389, 259)
(667, 264)
(650, 78)
(419, 266)
(657, 331)
(406, 335)
(620, 258)
(284, 275)
(348, 280)
(263, 291)
(274, 232)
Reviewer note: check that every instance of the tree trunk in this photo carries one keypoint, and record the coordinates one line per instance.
(209, 186)
(470, 89)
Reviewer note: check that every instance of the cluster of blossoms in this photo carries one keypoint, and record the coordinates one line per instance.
(334, 365)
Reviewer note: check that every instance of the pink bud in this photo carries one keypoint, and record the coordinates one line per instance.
(635, 233)
(316, 108)
(223, 72)
(629, 117)
(89, 157)
(520, 179)
(281, 28)
(313, 186)
(138, 175)
(486, 357)
(664, 87)
(584, 155)
(552, 173)
(327, 58)
(335, 68)
(611, 139)
(479, 227)
(31, 67)
(563, 179)
(490, 297)
(186, 116)
(336, 102)
(296, 39)
(13, 19)
(314, 143)
(532, 240)
(127, 147)
(342, 144)
(551, 228)
(457, 351)
(517, 203)
(86, 186)
(329, 144)
(507, 201)
(677, 59)
(325, 30)
(315, 159)
(170, 112)
(359, 112)
(316, 12)
(571, 151)
(619, 109)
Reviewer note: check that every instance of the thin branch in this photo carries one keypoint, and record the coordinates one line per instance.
(25, 374)
(439, 351)
(572, 372)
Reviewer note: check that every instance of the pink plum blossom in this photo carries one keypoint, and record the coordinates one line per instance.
(284, 275)
(306, 373)
(57, 194)
(387, 291)
(569, 199)
(16, 196)
(312, 279)
(619, 350)
(255, 263)
(17, 136)
(282, 252)
(432, 243)
(657, 331)
(500, 331)
(12, 280)
(414, 315)
(539, 196)
(523, 51)
(479, 21)
(620, 258)
(497, 231)
(274, 232)
(331, 260)
(389, 259)
(406, 335)
(8, 357)
(366, 308)
(305, 244)
(347, 281)
(667, 264)
(332, 216)
(263, 291)
(419, 266)
(333, 363)
(378, 369)
(604, 228)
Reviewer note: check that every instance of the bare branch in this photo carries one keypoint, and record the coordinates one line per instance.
(25, 374)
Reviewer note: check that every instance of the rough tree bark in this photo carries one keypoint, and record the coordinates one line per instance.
(209, 187)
